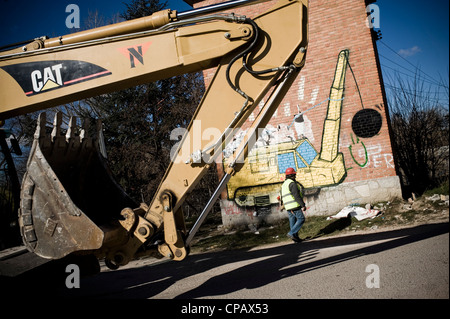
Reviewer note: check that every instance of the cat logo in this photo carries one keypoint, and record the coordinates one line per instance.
(47, 79)
(44, 76)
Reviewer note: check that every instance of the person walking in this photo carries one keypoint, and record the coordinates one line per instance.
(292, 197)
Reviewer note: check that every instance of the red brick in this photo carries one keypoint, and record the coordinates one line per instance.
(333, 26)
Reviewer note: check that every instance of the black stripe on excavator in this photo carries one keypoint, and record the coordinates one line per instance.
(42, 76)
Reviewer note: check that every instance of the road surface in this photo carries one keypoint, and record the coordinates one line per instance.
(403, 263)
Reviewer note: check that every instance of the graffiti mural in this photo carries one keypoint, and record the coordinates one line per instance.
(258, 182)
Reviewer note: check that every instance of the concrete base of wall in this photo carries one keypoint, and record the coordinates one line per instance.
(322, 202)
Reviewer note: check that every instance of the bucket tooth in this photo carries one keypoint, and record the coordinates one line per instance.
(40, 127)
(101, 140)
(70, 134)
(85, 138)
(84, 130)
(57, 121)
(68, 195)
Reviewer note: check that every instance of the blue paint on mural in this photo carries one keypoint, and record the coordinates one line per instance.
(284, 161)
(307, 152)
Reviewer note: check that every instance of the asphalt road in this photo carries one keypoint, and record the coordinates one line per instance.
(409, 263)
(403, 263)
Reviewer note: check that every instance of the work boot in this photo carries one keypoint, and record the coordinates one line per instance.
(297, 240)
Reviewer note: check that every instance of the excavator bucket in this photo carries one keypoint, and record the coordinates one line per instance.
(68, 196)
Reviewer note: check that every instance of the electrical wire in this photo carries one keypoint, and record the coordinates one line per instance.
(434, 99)
(415, 67)
(415, 73)
(413, 77)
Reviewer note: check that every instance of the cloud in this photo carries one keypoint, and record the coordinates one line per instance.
(409, 52)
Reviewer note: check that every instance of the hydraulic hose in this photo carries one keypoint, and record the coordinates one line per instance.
(240, 55)
(243, 55)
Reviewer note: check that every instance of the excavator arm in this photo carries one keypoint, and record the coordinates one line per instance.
(53, 74)
(257, 60)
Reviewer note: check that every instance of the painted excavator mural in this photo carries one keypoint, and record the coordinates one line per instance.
(259, 181)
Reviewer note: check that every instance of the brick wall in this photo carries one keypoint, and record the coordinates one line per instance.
(363, 140)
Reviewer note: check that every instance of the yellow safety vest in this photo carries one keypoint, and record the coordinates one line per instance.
(289, 201)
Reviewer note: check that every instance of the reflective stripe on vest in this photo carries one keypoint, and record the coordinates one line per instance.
(289, 201)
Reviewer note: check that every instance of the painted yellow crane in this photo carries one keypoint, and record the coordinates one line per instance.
(259, 181)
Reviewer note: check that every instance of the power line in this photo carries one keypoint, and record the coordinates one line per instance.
(408, 75)
(415, 67)
(410, 92)
(413, 91)
(413, 72)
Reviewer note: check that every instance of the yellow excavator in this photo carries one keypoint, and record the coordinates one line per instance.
(69, 203)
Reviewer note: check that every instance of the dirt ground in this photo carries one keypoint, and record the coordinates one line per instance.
(396, 215)
(393, 215)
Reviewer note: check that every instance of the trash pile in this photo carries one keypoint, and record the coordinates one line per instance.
(360, 213)
(438, 197)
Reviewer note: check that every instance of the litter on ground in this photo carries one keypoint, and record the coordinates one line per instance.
(359, 213)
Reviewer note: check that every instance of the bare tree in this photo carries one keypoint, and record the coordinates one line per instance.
(420, 126)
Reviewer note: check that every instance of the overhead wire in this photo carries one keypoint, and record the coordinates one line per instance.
(413, 93)
(415, 73)
(411, 76)
(415, 67)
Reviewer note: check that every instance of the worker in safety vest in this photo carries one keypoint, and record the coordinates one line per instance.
(292, 197)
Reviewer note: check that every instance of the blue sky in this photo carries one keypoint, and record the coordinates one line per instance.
(415, 36)
(26, 19)
(415, 33)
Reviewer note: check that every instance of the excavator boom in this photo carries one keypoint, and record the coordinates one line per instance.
(69, 202)
(54, 75)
